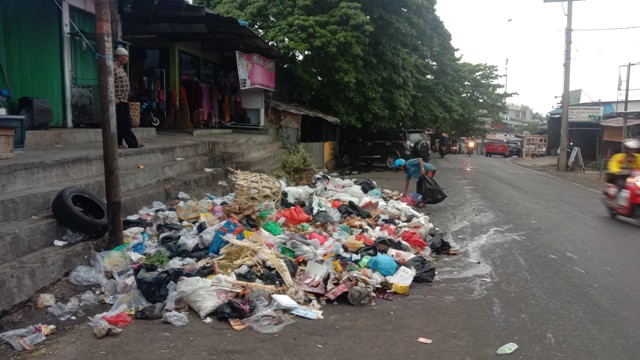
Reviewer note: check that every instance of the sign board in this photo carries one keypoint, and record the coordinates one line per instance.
(574, 96)
(586, 113)
(256, 71)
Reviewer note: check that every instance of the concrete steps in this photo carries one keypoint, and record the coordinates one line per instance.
(168, 164)
(54, 137)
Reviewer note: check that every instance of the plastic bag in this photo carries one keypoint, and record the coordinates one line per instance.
(383, 264)
(233, 309)
(231, 226)
(431, 192)
(404, 276)
(359, 296)
(295, 216)
(268, 322)
(101, 327)
(425, 271)
(151, 312)
(23, 339)
(113, 260)
(87, 275)
(175, 318)
(119, 320)
(89, 300)
(201, 296)
(273, 228)
(401, 257)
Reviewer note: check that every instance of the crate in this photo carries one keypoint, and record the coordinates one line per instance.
(6, 143)
(134, 110)
(14, 122)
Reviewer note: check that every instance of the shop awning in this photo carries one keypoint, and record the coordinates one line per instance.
(179, 21)
(619, 122)
(301, 111)
(613, 128)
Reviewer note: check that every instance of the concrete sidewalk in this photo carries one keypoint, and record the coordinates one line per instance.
(549, 165)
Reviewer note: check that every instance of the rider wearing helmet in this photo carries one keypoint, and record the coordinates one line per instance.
(413, 168)
(621, 164)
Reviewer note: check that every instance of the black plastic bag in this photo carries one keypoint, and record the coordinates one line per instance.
(425, 271)
(366, 185)
(153, 284)
(233, 309)
(383, 243)
(431, 192)
(358, 211)
(438, 245)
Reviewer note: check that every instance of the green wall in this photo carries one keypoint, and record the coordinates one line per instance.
(31, 52)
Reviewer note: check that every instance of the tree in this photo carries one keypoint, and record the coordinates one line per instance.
(374, 63)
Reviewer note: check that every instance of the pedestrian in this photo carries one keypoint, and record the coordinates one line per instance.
(121, 87)
(413, 168)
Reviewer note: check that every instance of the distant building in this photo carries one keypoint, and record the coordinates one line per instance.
(518, 113)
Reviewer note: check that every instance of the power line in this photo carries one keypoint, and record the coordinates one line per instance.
(607, 29)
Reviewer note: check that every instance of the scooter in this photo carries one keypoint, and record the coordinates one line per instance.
(470, 146)
(148, 116)
(624, 202)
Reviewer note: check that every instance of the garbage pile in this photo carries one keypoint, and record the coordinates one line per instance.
(261, 256)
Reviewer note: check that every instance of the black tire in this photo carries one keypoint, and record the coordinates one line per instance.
(390, 159)
(81, 211)
(486, 154)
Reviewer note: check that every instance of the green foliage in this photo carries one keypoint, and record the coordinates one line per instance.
(159, 259)
(532, 128)
(296, 166)
(373, 63)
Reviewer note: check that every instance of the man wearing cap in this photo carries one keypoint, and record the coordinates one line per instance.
(123, 116)
(413, 168)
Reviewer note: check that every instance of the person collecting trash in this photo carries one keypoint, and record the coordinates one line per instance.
(413, 168)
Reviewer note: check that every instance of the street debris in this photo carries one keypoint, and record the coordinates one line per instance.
(263, 256)
(424, 340)
(507, 349)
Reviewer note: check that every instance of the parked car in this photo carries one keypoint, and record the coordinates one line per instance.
(514, 148)
(385, 146)
(496, 147)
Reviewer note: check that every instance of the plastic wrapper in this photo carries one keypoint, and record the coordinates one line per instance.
(133, 235)
(113, 260)
(268, 322)
(23, 339)
(87, 275)
(89, 300)
(66, 311)
(101, 327)
(72, 237)
(404, 276)
(175, 318)
(120, 319)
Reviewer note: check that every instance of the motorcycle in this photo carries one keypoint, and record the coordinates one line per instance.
(443, 150)
(148, 116)
(470, 146)
(624, 200)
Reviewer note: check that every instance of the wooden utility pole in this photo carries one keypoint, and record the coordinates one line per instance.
(108, 113)
(564, 127)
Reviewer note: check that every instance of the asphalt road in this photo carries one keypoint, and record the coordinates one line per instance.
(556, 275)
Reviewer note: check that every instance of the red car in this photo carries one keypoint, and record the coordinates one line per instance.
(496, 147)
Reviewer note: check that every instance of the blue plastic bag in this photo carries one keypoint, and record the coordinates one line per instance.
(384, 264)
(231, 226)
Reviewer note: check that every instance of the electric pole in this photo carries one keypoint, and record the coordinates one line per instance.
(564, 127)
(108, 112)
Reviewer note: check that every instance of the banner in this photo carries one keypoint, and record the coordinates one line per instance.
(586, 113)
(256, 71)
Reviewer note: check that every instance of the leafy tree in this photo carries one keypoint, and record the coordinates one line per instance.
(373, 63)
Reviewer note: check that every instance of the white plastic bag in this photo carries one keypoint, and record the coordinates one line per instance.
(403, 276)
(175, 318)
(201, 296)
(87, 275)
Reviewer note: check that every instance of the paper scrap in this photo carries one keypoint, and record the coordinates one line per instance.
(424, 340)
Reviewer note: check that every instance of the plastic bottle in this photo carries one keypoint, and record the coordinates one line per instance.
(507, 349)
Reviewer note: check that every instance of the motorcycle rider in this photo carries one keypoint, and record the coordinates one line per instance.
(621, 164)
(444, 142)
(413, 168)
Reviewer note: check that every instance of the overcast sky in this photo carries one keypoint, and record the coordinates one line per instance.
(530, 33)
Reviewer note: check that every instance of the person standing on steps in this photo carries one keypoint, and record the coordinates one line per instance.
(121, 87)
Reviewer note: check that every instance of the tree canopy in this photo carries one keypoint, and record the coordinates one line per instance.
(374, 63)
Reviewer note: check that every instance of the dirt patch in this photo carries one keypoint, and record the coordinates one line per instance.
(549, 165)
(28, 313)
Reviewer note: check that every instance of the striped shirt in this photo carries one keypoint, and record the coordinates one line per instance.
(121, 83)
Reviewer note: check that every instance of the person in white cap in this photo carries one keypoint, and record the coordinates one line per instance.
(121, 87)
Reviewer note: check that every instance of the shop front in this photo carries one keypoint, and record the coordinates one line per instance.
(198, 71)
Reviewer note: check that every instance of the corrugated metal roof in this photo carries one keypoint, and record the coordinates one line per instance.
(618, 122)
(299, 110)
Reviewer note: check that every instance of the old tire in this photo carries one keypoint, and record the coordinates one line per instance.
(81, 211)
(390, 159)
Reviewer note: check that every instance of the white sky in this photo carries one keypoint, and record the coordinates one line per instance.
(533, 41)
